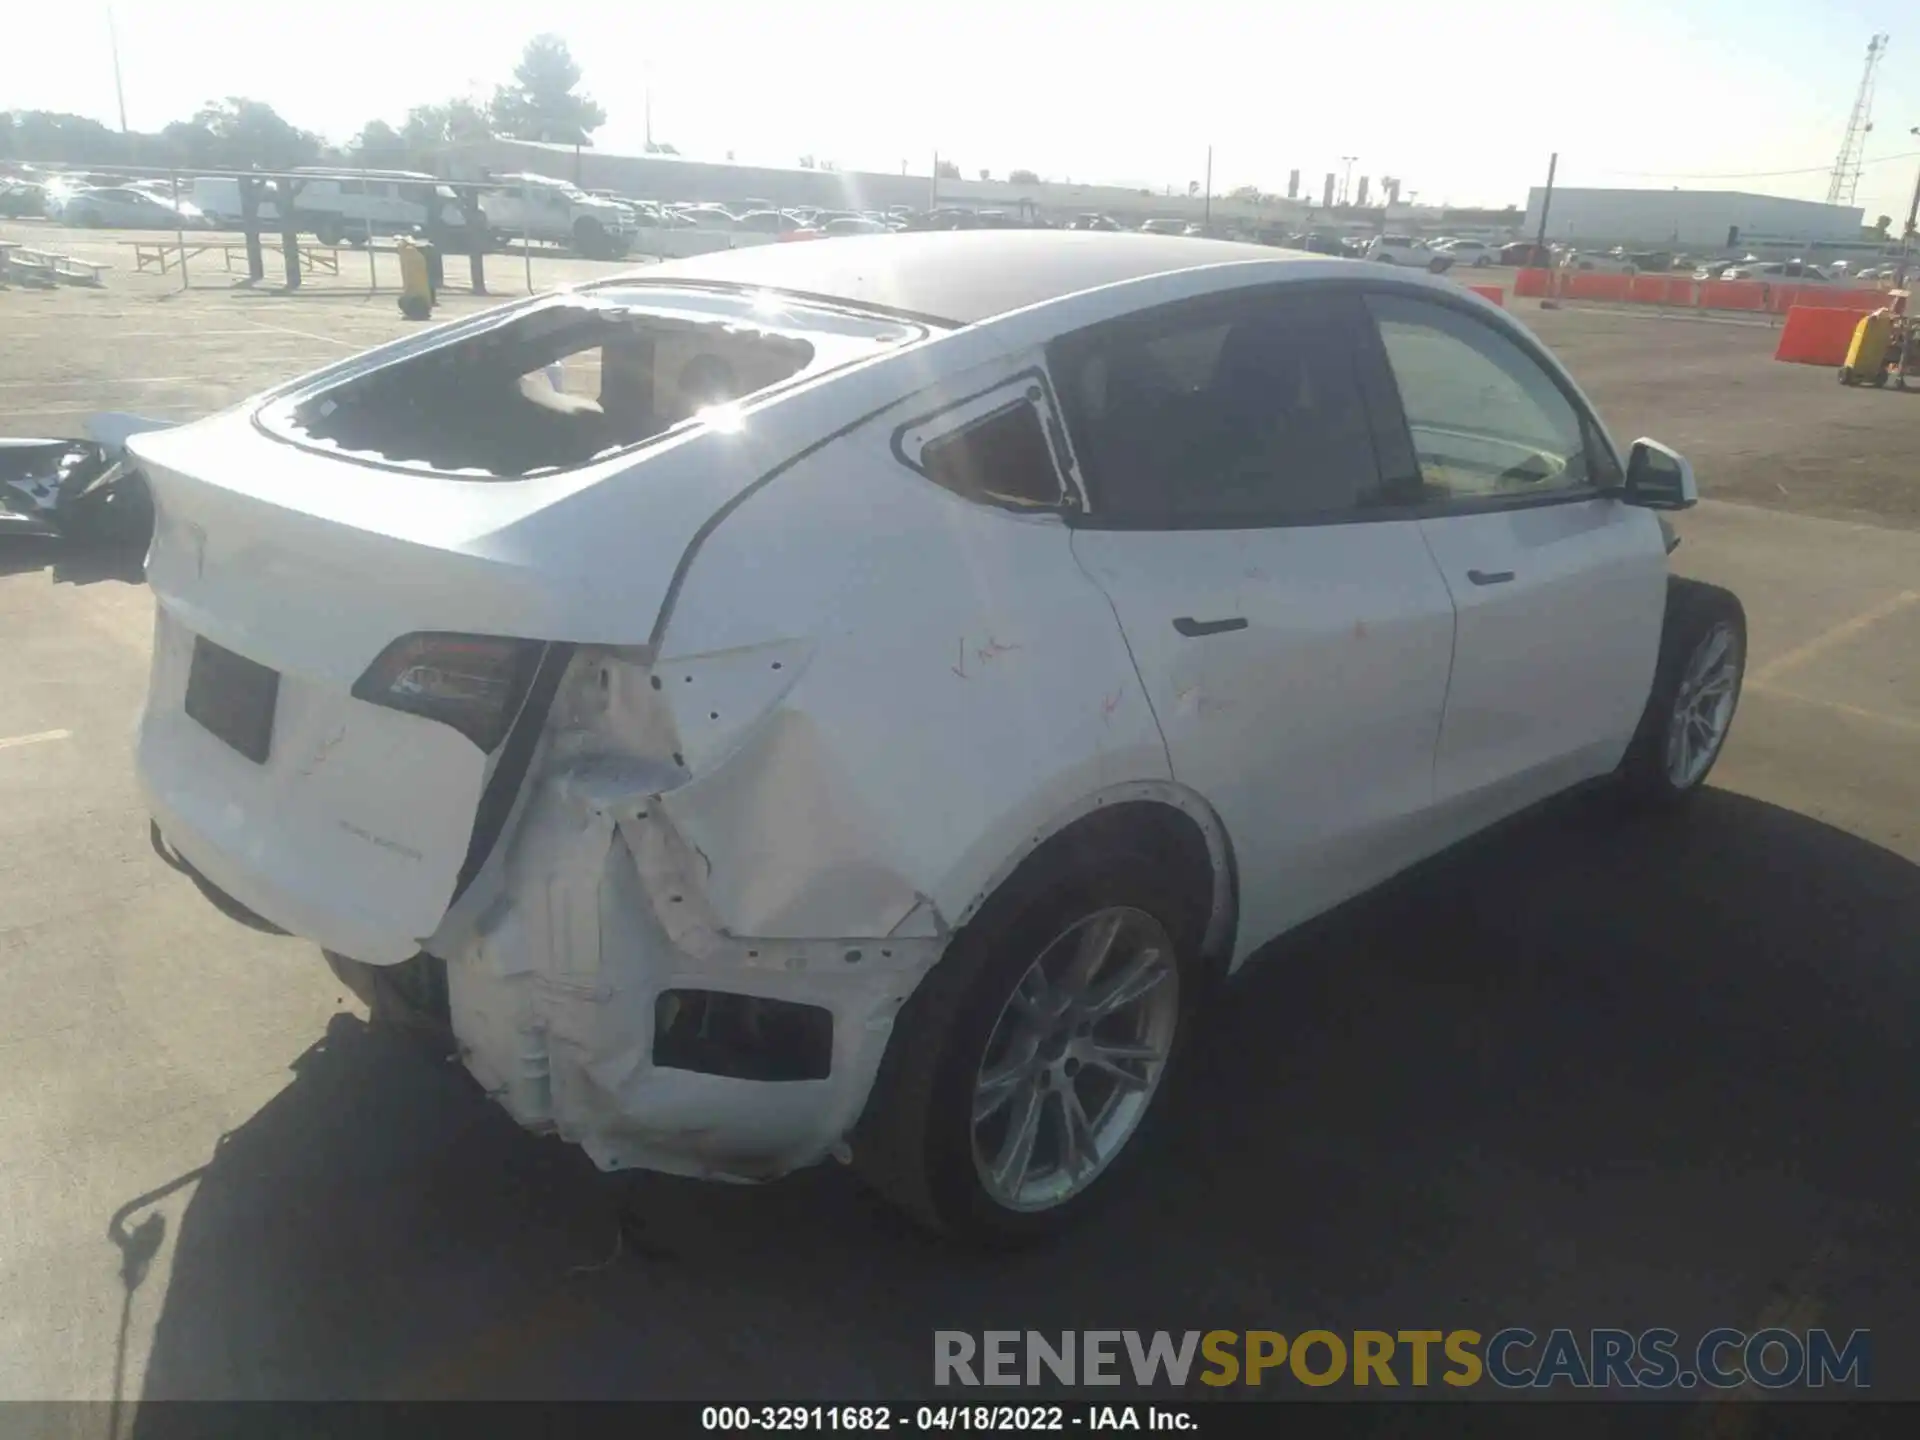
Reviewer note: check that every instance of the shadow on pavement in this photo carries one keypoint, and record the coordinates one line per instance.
(1636, 1074)
(71, 563)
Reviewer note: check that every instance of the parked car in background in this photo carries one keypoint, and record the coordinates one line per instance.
(623, 744)
(1476, 253)
(1603, 261)
(766, 222)
(348, 206)
(855, 225)
(20, 198)
(126, 208)
(556, 213)
(1407, 250)
(1094, 222)
(1775, 271)
(1164, 227)
(218, 197)
(1527, 252)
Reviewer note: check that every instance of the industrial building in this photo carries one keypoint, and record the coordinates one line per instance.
(1691, 219)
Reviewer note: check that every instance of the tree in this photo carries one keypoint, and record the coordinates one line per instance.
(433, 127)
(1882, 225)
(6, 134)
(541, 103)
(381, 146)
(986, 175)
(1022, 177)
(237, 134)
(946, 170)
(1249, 193)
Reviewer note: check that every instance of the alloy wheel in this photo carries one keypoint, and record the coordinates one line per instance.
(1074, 1058)
(1703, 706)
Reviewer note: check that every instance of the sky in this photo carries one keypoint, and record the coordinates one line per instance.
(1463, 103)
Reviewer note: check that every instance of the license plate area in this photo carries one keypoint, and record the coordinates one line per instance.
(233, 697)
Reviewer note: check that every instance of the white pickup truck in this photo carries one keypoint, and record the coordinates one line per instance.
(539, 207)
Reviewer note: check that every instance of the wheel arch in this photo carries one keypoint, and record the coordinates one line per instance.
(1170, 818)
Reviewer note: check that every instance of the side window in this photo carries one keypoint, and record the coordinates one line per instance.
(1002, 458)
(1229, 414)
(1486, 420)
(992, 448)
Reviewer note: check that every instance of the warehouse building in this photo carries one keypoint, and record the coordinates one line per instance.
(1690, 219)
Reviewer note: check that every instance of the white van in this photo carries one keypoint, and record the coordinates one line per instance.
(347, 205)
(218, 197)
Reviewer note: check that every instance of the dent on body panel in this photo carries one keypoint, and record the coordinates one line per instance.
(964, 682)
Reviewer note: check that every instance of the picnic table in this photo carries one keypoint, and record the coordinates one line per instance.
(27, 263)
(161, 255)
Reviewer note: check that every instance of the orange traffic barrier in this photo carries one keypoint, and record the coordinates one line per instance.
(1648, 290)
(1828, 298)
(1490, 292)
(1732, 295)
(1782, 298)
(1533, 284)
(1597, 285)
(1817, 335)
(1680, 290)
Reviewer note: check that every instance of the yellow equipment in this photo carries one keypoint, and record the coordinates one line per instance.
(1867, 355)
(416, 281)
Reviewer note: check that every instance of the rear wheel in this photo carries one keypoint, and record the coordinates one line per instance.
(1023, 1073)
(328, 230)
(1696, 689)
(589, 239)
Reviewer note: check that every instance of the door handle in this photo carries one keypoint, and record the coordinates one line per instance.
(1192, 628)
(1489, 577)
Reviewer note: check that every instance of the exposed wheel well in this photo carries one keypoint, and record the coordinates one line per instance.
(1169, 834)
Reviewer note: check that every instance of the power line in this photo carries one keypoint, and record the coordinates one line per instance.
(1751, 174)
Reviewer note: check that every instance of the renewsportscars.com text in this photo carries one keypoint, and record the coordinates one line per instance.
(1513, 1358)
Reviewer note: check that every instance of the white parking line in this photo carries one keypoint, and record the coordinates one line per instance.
(1844, 631)
(95, 382)
(308, 335)
(12, 740)
(1878, 717)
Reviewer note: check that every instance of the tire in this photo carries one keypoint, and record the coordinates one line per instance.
(1847, 375)
(328, 231)
(916, 1143)
(1481, 263)
(1698, 617)
(589, 239)
(410, 996)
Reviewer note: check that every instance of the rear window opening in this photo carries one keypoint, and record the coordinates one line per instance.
(569, 383)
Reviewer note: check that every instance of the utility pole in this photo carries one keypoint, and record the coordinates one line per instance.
(1206, 210)
(647, 100)
(1346, 176)
(1546, 203)
(119, 93)
(933, 195)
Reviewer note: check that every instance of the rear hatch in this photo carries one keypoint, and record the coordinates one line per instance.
(358, 582)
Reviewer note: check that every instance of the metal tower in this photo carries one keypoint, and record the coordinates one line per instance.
(1853, 149)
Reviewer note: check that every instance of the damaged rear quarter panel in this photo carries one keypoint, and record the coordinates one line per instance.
(965, 685)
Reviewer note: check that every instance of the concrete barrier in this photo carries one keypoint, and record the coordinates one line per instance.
(1532, 284)
(1817, 335)
(1596, 285)
(1827, 297)
(1732, 295)
(1491, 292)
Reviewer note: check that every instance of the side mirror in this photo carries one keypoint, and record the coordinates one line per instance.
(1659, 478)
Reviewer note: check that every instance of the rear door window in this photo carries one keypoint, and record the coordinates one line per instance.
(1223, 413)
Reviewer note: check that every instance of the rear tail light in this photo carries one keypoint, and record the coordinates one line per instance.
(475, 683)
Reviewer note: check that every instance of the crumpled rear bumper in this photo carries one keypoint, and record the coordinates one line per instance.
(555, 990)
